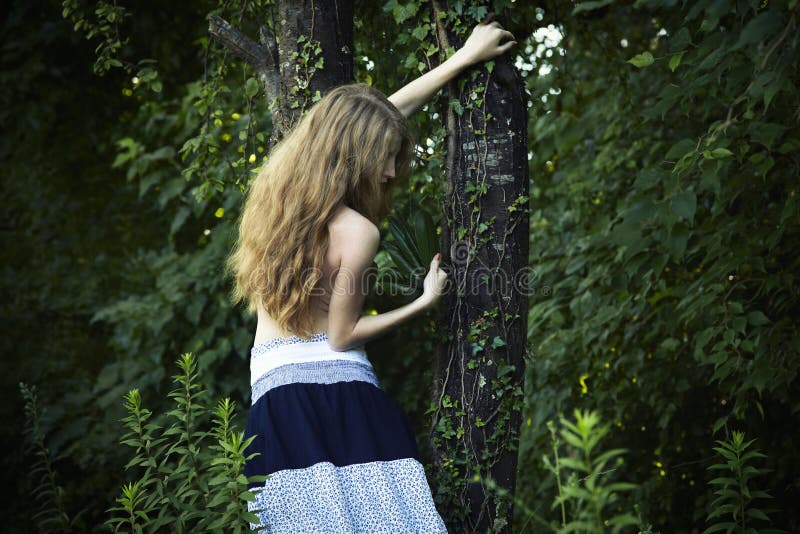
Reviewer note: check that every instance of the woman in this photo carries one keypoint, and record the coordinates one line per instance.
(339, 453)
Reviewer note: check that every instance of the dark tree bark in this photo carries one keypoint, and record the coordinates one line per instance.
(478, 387)
(311, 54)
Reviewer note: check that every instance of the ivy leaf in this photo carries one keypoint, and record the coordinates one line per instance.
(420, 32)
(642, 60)
(498, 342)
(403, 12)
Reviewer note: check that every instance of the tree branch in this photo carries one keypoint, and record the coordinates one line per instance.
(263, 58)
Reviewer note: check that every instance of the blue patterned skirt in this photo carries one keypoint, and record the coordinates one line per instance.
(339, 453)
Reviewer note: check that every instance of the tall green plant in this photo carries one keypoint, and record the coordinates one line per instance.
(586, 500)
(51, 515)
(735, 498)
(190, 479)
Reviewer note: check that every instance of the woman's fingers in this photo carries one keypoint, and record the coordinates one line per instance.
(485, 41)
(505, 47)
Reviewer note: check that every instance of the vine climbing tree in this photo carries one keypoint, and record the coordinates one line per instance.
(478, 388)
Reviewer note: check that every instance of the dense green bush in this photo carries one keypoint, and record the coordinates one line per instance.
(665, 235)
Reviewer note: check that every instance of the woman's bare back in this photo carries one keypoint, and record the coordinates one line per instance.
(343, 219)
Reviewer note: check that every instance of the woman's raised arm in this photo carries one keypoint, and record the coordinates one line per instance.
(482, 44)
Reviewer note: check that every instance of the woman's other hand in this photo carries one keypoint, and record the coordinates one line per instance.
(434, 284)
(484, 42)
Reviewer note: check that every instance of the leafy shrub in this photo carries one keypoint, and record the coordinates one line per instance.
(190, 479)
(734, 496)
(587, 500)
(587, 493)
(50, 515)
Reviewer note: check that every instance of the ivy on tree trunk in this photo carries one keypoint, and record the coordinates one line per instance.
(478, 387)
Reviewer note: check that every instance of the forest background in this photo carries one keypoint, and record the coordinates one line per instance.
(664, 234)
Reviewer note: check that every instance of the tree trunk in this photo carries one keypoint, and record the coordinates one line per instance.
(478, 387)
(315, 53)
(311, 54)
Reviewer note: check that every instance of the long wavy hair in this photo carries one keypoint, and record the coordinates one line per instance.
(334, 155)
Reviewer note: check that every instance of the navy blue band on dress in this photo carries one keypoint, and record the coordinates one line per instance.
(300, 424)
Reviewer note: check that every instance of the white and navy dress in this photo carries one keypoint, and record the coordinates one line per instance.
(339, 453)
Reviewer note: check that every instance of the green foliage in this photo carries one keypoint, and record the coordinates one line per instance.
(103, 24)
(48, 495)
(587, 498)
(411, 249)
(735, 498)
(664, 234)
(189, 479)
(664, 230)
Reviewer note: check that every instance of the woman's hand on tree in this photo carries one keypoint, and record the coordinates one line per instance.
(484, 42)
(434, 284)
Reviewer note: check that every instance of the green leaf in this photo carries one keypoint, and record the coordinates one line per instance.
(718, 153)
(760, 28)
(679, 41)
(684, 205)
(674, 61)
(591, 5)
(757, 318)
(680, 149)
(251, 87)
(642, 60)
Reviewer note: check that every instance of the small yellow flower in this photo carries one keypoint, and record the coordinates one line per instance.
(608, 365)
(219, 213)
(252, 158)
(235, 116)
(217, 122)
(662, 473)
(633, 379)
(227, 137)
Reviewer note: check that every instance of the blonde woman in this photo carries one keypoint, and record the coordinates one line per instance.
(338, 452)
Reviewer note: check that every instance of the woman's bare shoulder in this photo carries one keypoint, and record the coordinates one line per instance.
(352, 236)
(348, 224)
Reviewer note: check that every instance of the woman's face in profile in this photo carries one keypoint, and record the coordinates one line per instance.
(388, 167)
